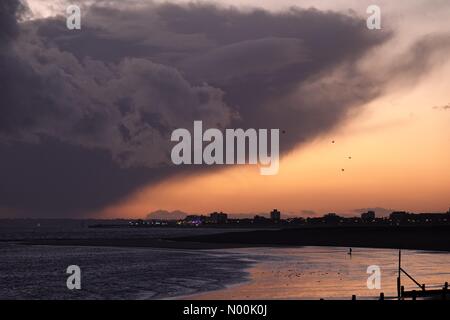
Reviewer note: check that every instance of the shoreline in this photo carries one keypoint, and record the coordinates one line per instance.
(430, 238)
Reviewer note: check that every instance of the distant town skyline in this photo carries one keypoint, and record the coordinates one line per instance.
(276, 219)
(376, 212)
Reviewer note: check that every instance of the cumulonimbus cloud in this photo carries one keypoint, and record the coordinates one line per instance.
(86, 115)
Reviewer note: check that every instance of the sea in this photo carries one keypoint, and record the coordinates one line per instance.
(117, 273)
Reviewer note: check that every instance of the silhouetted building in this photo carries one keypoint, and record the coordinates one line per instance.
(332, 218)
(422, 218)
(399, 216)
(260, 220)
(137, 223)
(194, 220)
(368, 216)
(218, 218)
(432, 218)
(275, 215)
(297, 220)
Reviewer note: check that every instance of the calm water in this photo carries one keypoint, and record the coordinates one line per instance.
(38, 272)
(330, 273)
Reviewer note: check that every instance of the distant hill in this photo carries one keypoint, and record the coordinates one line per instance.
(167, 215)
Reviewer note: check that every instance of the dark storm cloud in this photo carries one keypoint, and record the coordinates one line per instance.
(78, 134)
(86, 115)
(273, 69)
(57, 179)
(16, 110)
(9, 9)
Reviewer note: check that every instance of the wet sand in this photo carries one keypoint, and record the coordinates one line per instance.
(435, 238)
(312, 273)
(131, 243)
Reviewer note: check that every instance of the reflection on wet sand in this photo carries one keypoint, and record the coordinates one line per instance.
(330, 273)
